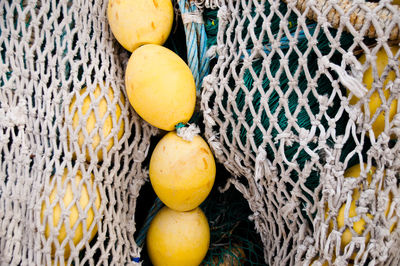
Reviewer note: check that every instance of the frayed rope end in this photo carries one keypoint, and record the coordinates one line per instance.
(187, 133)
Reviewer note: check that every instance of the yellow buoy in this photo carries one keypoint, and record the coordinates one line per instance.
(99, 123)
(359, 225)
(182, 172)
(56, 203)
(178, 238)
(138, 22)
(160, 86)
(375, 100)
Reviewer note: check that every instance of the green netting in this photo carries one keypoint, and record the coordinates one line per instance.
(234, 240)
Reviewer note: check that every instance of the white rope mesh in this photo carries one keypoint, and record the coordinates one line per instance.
(66, 127)
(289, 155)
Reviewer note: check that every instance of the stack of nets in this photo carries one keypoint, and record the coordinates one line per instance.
(66, 126)
(279, 115)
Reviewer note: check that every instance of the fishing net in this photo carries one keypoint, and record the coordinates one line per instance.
(71, 147)
(311, 145)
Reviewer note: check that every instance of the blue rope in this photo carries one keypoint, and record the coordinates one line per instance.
(204, 60)
(196, 41)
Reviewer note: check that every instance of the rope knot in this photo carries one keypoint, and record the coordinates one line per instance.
(348, 81)
(13, 116)
(187, 133)
(192, 17)
(223, 14)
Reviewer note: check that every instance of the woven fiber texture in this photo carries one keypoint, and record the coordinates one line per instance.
(71, 147)
(310, 144)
